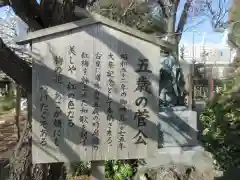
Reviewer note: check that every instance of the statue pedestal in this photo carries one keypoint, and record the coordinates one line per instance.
(177, 127)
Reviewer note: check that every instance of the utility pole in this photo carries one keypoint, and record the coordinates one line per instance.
(211, 80)
(192, 71)
(191, 76)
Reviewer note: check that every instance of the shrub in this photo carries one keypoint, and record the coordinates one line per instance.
(78, 168)
(221, 125)
(114, 169)
(120, 170)
(7, 103)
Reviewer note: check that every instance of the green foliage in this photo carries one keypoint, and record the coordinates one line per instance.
(114, 170)
(7, 103)
(236, 12)
(235, 30)
(221, 125)
(78, 168)
(120, 170)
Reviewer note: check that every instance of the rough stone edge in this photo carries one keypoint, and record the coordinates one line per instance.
(178, 155)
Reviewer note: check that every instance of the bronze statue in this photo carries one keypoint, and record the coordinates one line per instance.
(171, 91)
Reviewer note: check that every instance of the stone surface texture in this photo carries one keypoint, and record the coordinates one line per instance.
(178, 127)
(175, 163)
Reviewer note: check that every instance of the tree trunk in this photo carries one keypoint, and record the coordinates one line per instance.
(18, 110)
(21, 161)
(15, 67)
(21, 167)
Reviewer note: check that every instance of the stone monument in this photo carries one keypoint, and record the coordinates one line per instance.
(177, 128)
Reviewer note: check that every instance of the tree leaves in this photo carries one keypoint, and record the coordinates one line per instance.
(119, 170)
(221, 126)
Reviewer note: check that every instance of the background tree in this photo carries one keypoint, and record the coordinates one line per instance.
(234, 19)
(54, 12)
(221, 117)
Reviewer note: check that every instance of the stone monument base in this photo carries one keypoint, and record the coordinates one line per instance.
(178, 142)
(178, 160)
(177, 127)
(194, 156)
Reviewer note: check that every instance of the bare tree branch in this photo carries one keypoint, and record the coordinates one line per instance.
(128, 8)
(176, 34)
(194, 26)
(216, 14)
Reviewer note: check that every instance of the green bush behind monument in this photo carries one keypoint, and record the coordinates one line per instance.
(221, 125)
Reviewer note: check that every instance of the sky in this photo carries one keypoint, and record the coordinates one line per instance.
(211, 37)
(2, 11)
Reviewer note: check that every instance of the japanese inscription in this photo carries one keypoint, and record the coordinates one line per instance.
(57, 115)
(84, 98)
(96, 104)
(71, 87)
(110, 113)
(123, 100)
(142, 114)
(57, 119)
(58, 69)
(99, 102)
(44, 114)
